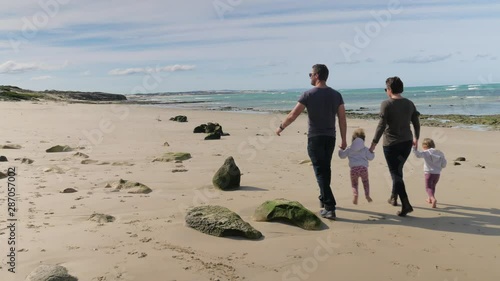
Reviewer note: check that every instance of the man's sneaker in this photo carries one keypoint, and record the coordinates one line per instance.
(322, 212)
(328, 214)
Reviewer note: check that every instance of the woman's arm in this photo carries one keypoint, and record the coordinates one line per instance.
(382, 123)
(416, 126)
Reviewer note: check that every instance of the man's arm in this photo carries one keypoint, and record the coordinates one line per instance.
(342, 125)
(296, 111)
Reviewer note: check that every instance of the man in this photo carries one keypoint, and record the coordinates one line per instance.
(323, 104)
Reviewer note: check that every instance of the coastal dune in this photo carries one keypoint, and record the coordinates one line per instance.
(148, 238)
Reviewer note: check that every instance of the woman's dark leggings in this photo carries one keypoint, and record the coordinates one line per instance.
(396, 156)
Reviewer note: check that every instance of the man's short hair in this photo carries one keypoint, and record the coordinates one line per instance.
(322, 71)
(395, 84)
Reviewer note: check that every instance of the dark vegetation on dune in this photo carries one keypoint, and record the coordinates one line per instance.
(13, 93)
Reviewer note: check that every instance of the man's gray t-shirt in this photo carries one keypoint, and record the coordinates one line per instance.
(322, 105)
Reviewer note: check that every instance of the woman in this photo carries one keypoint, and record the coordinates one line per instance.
(396, 113)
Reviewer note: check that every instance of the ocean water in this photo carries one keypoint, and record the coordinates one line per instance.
(483, 99)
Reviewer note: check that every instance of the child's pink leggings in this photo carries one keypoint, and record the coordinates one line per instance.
(430, 183)
(356, 173)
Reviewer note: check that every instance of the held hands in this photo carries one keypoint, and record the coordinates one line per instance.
(343, 145)
(372, 147)
(415, 143)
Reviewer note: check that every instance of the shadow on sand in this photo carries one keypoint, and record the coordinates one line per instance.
(449, 218)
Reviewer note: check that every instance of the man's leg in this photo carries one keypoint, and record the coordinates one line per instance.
(329, 144)
(320, 150)
(313, 145)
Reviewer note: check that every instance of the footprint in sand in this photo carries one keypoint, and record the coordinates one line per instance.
(412, 270)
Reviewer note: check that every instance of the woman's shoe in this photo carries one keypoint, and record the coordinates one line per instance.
(406, 208)
(393, 200)
(404, 212)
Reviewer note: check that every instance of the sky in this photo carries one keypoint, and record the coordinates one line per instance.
(131, 46)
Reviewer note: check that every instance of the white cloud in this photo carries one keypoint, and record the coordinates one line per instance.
(146, 70)
(12, 67)
(85, 73)
(45, 77)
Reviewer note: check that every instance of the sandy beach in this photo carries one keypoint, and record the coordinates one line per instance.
(149, 239)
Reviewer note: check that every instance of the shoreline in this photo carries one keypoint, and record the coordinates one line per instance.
(475, 122)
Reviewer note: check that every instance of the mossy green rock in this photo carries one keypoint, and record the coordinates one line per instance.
(220, 221)
(101, 218)
(130, 186)
(171, 156)
(50, 273)
(291, 211)
(10, 146)
(228, 176)
(59, 148)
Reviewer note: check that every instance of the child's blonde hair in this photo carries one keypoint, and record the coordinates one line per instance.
(358, 133)
(429, 143)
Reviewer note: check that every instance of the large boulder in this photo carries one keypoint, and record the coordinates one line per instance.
(200, 129)
(50, 273)
(59, 148)
(129, 186)
(209, 128)
(173, 156)
(220, 221)
(179, 118)
(228, 176)
(214, 128)
(289, 211)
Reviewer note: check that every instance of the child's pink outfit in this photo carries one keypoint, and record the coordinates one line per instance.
(358, 155)
(434, 162)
